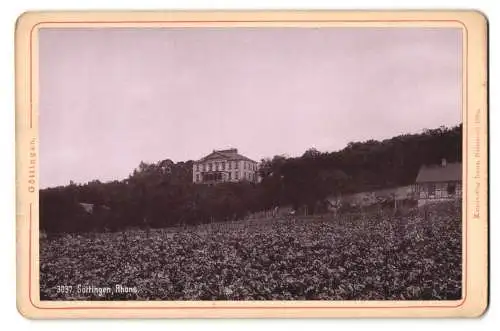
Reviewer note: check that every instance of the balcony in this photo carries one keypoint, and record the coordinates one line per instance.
(211, 177)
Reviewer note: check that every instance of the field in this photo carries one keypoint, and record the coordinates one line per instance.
(363, 257)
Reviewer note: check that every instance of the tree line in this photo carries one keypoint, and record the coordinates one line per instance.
(162, 194)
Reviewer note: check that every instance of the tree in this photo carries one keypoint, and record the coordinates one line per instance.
(311, 153)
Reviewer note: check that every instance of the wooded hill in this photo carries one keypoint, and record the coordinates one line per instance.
(162, 194)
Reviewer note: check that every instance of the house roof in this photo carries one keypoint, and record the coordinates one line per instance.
(451, 172)
(227, 154)
(88, 207)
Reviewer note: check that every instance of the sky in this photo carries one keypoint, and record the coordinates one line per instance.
(113, 97)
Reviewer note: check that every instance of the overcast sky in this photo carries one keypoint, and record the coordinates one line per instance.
(110, 98)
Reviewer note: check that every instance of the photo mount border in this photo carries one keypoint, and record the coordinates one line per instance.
(126, 23)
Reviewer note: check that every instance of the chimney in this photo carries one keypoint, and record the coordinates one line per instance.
(443, 162)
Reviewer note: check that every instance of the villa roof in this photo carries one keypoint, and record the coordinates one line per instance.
(227, 154)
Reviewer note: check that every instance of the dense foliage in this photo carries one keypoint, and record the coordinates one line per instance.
(367, 257)
(162, 194)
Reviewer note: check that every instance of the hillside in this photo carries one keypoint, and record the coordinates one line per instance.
(162, 194)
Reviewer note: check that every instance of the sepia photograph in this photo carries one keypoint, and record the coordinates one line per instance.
(250, 163)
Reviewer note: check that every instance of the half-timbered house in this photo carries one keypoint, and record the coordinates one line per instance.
(438, 182)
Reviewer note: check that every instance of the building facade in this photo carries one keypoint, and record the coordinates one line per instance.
(225, 166)
(438, 183)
